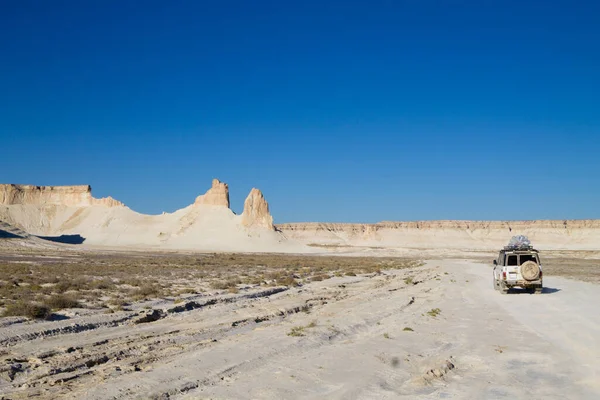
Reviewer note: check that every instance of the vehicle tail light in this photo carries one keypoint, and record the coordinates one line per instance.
(504, 275)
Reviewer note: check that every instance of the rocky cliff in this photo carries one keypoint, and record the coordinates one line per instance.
(71, 196)
(256, 211)
(556, 234)
(217, 195)
(208, 224)
(442, 224)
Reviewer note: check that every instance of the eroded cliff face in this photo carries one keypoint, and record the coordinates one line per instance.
(217, 195)
(71, 196)
(430, 225)
(256, 211)
(209, 223)
(465, 235)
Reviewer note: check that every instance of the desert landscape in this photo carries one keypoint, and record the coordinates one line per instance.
(101, 302)
(281, 200)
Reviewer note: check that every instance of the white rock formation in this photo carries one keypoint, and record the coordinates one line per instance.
(71, 196)
(217, 195)
(256, 211)
(207, 225)
(210, 225)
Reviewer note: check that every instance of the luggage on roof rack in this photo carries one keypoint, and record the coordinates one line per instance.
(519, 242)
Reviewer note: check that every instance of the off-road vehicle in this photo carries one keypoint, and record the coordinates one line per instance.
(518, 267)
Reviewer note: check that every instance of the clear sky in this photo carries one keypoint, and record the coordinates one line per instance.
(344, 111)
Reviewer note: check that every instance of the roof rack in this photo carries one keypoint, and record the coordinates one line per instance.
(519, 248)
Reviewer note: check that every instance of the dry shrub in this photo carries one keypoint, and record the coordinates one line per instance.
(147, 291)
(254, 280)
(133, 282)
(60, 301)
(103, 284)
(118, 304)
(187, 290)
(67, 284)
(288, 281)
(26, 309)
(227, 284)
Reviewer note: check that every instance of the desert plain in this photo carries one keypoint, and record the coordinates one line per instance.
(101, 302)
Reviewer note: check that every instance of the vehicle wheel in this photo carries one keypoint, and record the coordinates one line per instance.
(495, 282)
(503, 289)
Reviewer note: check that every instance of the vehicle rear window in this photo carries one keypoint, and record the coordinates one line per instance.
(527, 257)
(511, 260)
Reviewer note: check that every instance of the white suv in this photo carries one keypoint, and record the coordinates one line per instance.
(518, 267)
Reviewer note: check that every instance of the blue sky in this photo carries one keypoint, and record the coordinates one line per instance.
(338, 111)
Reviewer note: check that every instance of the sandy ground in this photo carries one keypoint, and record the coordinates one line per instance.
(436, 331)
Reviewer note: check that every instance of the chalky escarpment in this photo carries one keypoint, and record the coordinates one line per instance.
(71, 196)
(209, 224)
(70, 213)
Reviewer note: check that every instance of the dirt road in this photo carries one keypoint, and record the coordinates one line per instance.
(438, 331)
(565, 315)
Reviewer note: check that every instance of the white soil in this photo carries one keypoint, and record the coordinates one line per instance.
(481, 345)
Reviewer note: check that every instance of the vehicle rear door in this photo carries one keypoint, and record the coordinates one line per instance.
(512, 267)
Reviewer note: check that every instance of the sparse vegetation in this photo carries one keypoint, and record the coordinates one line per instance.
(320, 277)
(88, 279)
(226, 284)
(572, 267)
(434, 312)
(408, 280)
(408, 329)
(297, 331)
(118, 304)
(103, 284)
(300, 330)
(146, 291)
(386, 335)
(288, 281)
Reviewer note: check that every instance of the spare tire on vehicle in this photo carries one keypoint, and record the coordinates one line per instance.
(530, 270)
